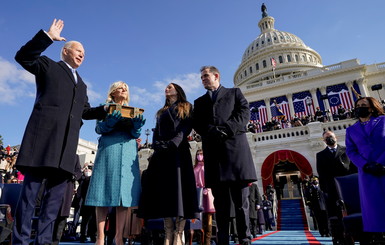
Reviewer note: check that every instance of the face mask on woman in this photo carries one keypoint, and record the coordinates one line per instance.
(362, 112)
(200, 158)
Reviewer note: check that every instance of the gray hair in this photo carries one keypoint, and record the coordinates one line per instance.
(68, 45)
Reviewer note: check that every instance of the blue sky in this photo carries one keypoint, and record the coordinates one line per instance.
(150, 43)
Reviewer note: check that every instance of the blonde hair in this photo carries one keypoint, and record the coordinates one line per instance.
(113, 88)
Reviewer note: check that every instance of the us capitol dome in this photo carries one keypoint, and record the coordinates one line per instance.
(284, 79)
(285, 48)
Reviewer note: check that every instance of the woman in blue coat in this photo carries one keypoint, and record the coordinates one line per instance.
(115, 180)
(365, 142)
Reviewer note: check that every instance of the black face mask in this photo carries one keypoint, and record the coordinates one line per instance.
(330, 140)
(362, 112)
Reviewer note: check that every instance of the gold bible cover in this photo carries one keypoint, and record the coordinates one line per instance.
(127, 111)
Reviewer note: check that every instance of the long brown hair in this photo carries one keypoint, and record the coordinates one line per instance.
(183, 107)
(376, 106)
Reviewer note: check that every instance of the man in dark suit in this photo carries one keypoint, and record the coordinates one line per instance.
(48, 149)
(220, 117)
(332, 162)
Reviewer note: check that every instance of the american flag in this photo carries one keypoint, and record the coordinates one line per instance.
(356, 91)
(258, 111)
(273, 63)
(279, 106)
(300, 105)
(339, 95)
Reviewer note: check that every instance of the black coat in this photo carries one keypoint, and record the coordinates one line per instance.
(52, 133)
(254, 200)
(168, 184)
(329, 166)
(228, 160)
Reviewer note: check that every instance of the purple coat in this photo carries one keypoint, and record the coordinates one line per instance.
(366, 143)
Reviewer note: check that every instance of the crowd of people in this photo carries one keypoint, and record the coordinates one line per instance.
(9, 173)
(222, 181)
(281, 122)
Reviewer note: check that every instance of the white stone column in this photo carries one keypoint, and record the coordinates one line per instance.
(267, 103)
(291, 105)
(313, 93)
(363, 87)
(327, 105)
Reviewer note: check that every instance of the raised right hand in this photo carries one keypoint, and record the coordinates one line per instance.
(55, 30)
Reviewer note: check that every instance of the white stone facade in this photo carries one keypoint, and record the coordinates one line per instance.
(298, 68)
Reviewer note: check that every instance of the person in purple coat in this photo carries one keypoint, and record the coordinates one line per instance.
(365, 141)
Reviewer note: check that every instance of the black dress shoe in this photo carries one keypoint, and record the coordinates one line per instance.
(83, 239)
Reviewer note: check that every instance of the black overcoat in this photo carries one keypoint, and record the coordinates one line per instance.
(229, 160)
(168, 184)
(329, 166)
(254, 200)
(52, 133)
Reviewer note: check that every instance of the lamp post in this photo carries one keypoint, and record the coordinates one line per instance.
(147, 132)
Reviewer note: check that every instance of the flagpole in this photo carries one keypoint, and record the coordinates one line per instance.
(273, 64)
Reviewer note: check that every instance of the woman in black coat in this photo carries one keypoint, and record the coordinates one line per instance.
(169, 184)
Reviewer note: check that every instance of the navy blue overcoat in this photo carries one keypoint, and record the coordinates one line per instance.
(52, 133)
(229, 160)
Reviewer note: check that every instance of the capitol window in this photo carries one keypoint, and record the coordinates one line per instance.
(280, 59)
(264, 63)
(257, 67)
(251, 69)
(288, 58)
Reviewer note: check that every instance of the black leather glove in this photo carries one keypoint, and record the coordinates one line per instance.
(162, 145)
(218, 132)
(374, 168)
